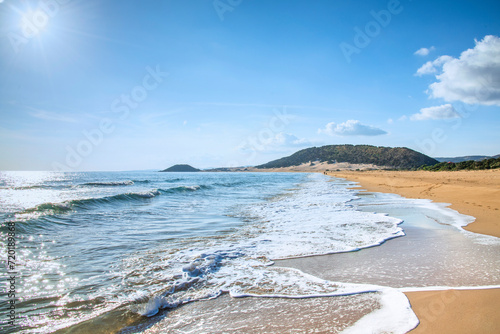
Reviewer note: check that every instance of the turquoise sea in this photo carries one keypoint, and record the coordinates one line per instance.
(115, 251)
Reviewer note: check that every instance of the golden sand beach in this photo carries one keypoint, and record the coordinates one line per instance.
(474, 193)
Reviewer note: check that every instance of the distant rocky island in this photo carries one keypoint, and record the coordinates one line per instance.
(181, 168)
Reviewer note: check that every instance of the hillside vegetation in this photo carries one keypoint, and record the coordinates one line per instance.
(492, 163)
(398, 157)
(466, 158)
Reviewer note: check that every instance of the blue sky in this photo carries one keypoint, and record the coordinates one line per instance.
(123, 85)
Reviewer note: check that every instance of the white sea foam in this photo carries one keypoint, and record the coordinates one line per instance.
(315, 219)
(318, 219)
(395, 316)
(445, 214)
(450, 216)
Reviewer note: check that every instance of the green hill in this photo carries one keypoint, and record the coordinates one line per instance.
(180, 168)
(397, 157)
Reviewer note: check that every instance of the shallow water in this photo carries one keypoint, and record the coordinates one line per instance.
(435, 251)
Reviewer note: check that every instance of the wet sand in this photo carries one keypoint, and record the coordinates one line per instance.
(267, 315)
(474, 193)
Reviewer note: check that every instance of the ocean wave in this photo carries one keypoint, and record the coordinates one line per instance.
(133, 196)
(109, 183)
(52, 208)
(43, 186)
(92, 203)
(86, 203)
(182, 189)
(37, 186)
(230, 184)
(172, 180)
(141, 181)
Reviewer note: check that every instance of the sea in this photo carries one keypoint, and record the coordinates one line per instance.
(144, 251)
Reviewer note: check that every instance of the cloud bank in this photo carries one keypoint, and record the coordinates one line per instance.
(473, 78)
(351, 128)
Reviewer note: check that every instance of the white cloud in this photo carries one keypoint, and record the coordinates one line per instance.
(432, 66)
(445, 111)
(424, 51)
(351, 128)
(51, 116)
(473, 78)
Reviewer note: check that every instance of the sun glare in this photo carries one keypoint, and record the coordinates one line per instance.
(34, 22)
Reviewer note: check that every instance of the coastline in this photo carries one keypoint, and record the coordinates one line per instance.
(474, 193)
(471, 306)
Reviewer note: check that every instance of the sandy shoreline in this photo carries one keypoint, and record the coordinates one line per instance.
(474, 193)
